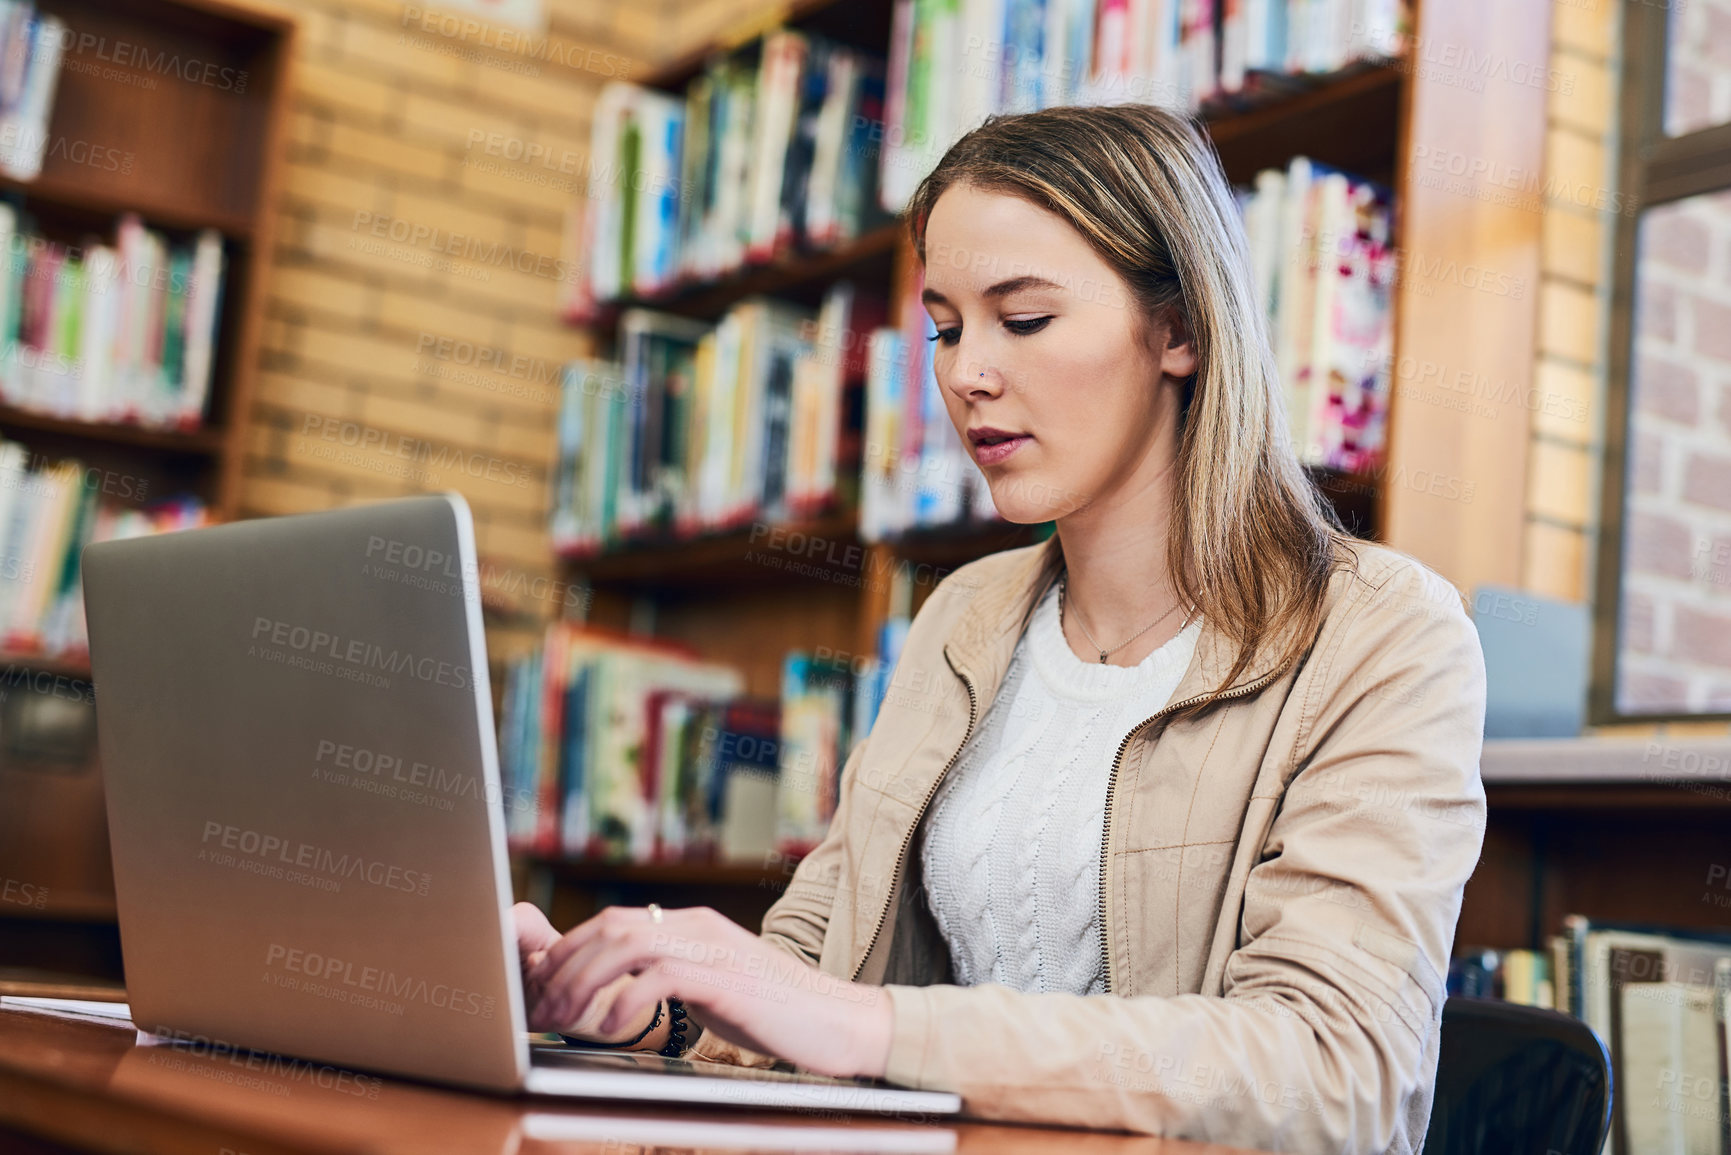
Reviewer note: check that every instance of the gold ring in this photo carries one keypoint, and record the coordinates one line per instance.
(654, 912)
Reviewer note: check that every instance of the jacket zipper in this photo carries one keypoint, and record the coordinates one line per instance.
(895, 873)
(1111, 784)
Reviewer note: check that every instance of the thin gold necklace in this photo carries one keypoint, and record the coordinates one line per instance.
(1063, 596)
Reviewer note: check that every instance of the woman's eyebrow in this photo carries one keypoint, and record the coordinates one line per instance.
(1001, 289)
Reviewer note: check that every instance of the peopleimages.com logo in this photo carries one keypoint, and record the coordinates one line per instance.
(272, 850)
(354, 652)
(386, 984)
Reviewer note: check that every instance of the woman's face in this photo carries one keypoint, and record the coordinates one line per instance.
(1060, 403)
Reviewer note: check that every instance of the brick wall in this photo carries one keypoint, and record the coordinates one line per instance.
(411, 339)
(1676, 609)
(1569, 381)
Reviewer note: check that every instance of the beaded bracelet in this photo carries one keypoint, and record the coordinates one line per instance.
(676, 1038)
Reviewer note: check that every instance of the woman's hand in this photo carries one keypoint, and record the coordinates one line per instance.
(535, 936)
(748, 992)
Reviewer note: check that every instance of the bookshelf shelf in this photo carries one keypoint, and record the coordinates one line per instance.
(744, 555)
(67, 193)
(949, 546)
(69, 908)
(722, 874)
(866, 24)
(66, 666)
(1586, 796)
(723, 558)
(1349, 119)
(206, 442)
(866, 257)
(678, 560)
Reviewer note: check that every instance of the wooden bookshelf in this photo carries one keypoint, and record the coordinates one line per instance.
(197, 155)
(669, 873)
(1365, 119)
(724, 557)
(17, 424)
(69, 193)
(1277, 119)
(72, 667)
(573, 890)
(799, 276)
(201, 152)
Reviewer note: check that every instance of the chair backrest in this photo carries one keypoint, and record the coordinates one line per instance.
(1516, 1078)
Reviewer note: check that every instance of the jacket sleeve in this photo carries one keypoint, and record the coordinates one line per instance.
(799, 919)
(1326, 1035)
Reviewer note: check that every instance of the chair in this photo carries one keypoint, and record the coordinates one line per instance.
(1517, 1078)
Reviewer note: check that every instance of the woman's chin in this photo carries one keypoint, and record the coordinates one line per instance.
(1025, 508)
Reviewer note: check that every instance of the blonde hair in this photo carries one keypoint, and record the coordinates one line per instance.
(1253, 544)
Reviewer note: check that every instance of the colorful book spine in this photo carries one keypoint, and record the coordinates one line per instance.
(1324, 268)
(123, 333)
(772, 148)
(704, 428)
(917, 472)
(49, 511)
(602, 732)
(954, 61)
(31, 46)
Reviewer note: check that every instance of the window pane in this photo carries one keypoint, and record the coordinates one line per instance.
(1698, 66)
(1674, 636)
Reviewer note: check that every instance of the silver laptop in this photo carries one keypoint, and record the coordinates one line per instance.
(306, 812)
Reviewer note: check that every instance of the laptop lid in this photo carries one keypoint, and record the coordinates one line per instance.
(296, 732)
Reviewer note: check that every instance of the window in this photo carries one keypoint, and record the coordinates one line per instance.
(1663, 643)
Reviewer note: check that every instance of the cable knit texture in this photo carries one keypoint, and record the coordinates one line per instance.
(1012, 837)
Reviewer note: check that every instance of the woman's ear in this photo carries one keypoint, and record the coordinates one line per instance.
(1178, 354)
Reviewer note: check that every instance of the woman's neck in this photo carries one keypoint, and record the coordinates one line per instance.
(1115, 557)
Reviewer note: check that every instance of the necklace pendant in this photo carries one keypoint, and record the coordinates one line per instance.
(1102, 657)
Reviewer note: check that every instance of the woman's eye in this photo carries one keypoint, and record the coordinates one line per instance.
(1019, 327)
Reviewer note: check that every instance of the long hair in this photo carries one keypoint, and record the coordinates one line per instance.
(1252, 543)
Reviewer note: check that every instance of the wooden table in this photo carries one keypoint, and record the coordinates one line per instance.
(87, 1085)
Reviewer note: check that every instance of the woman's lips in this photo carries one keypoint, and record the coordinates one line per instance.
(990, 453)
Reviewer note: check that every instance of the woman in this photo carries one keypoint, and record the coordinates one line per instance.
(1164, 823)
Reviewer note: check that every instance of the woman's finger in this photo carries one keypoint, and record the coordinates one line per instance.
(584, 974)
(613, 920)
(534, 932)
(634, 999)
(589, 1024)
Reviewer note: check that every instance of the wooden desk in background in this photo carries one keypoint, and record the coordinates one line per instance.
(86, 1084)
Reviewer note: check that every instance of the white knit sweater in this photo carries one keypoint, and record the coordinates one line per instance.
(1011, 851)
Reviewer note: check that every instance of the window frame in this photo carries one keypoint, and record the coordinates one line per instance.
(1652, 169)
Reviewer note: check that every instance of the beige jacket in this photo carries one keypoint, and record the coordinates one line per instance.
(1280, 878)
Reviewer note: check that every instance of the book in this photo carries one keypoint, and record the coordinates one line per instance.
(585, 739)
(772, 147)
(1324, 266)
(734, 781)
(916, 471)
(1606, 960)
(953, 62)
(1722, 1030)
(703, 428)
(122, 333)
(31, 46)
(1669, 1083)
(816, 709)
(50, 509)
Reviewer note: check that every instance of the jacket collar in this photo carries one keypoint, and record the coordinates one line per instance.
(984, 638)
